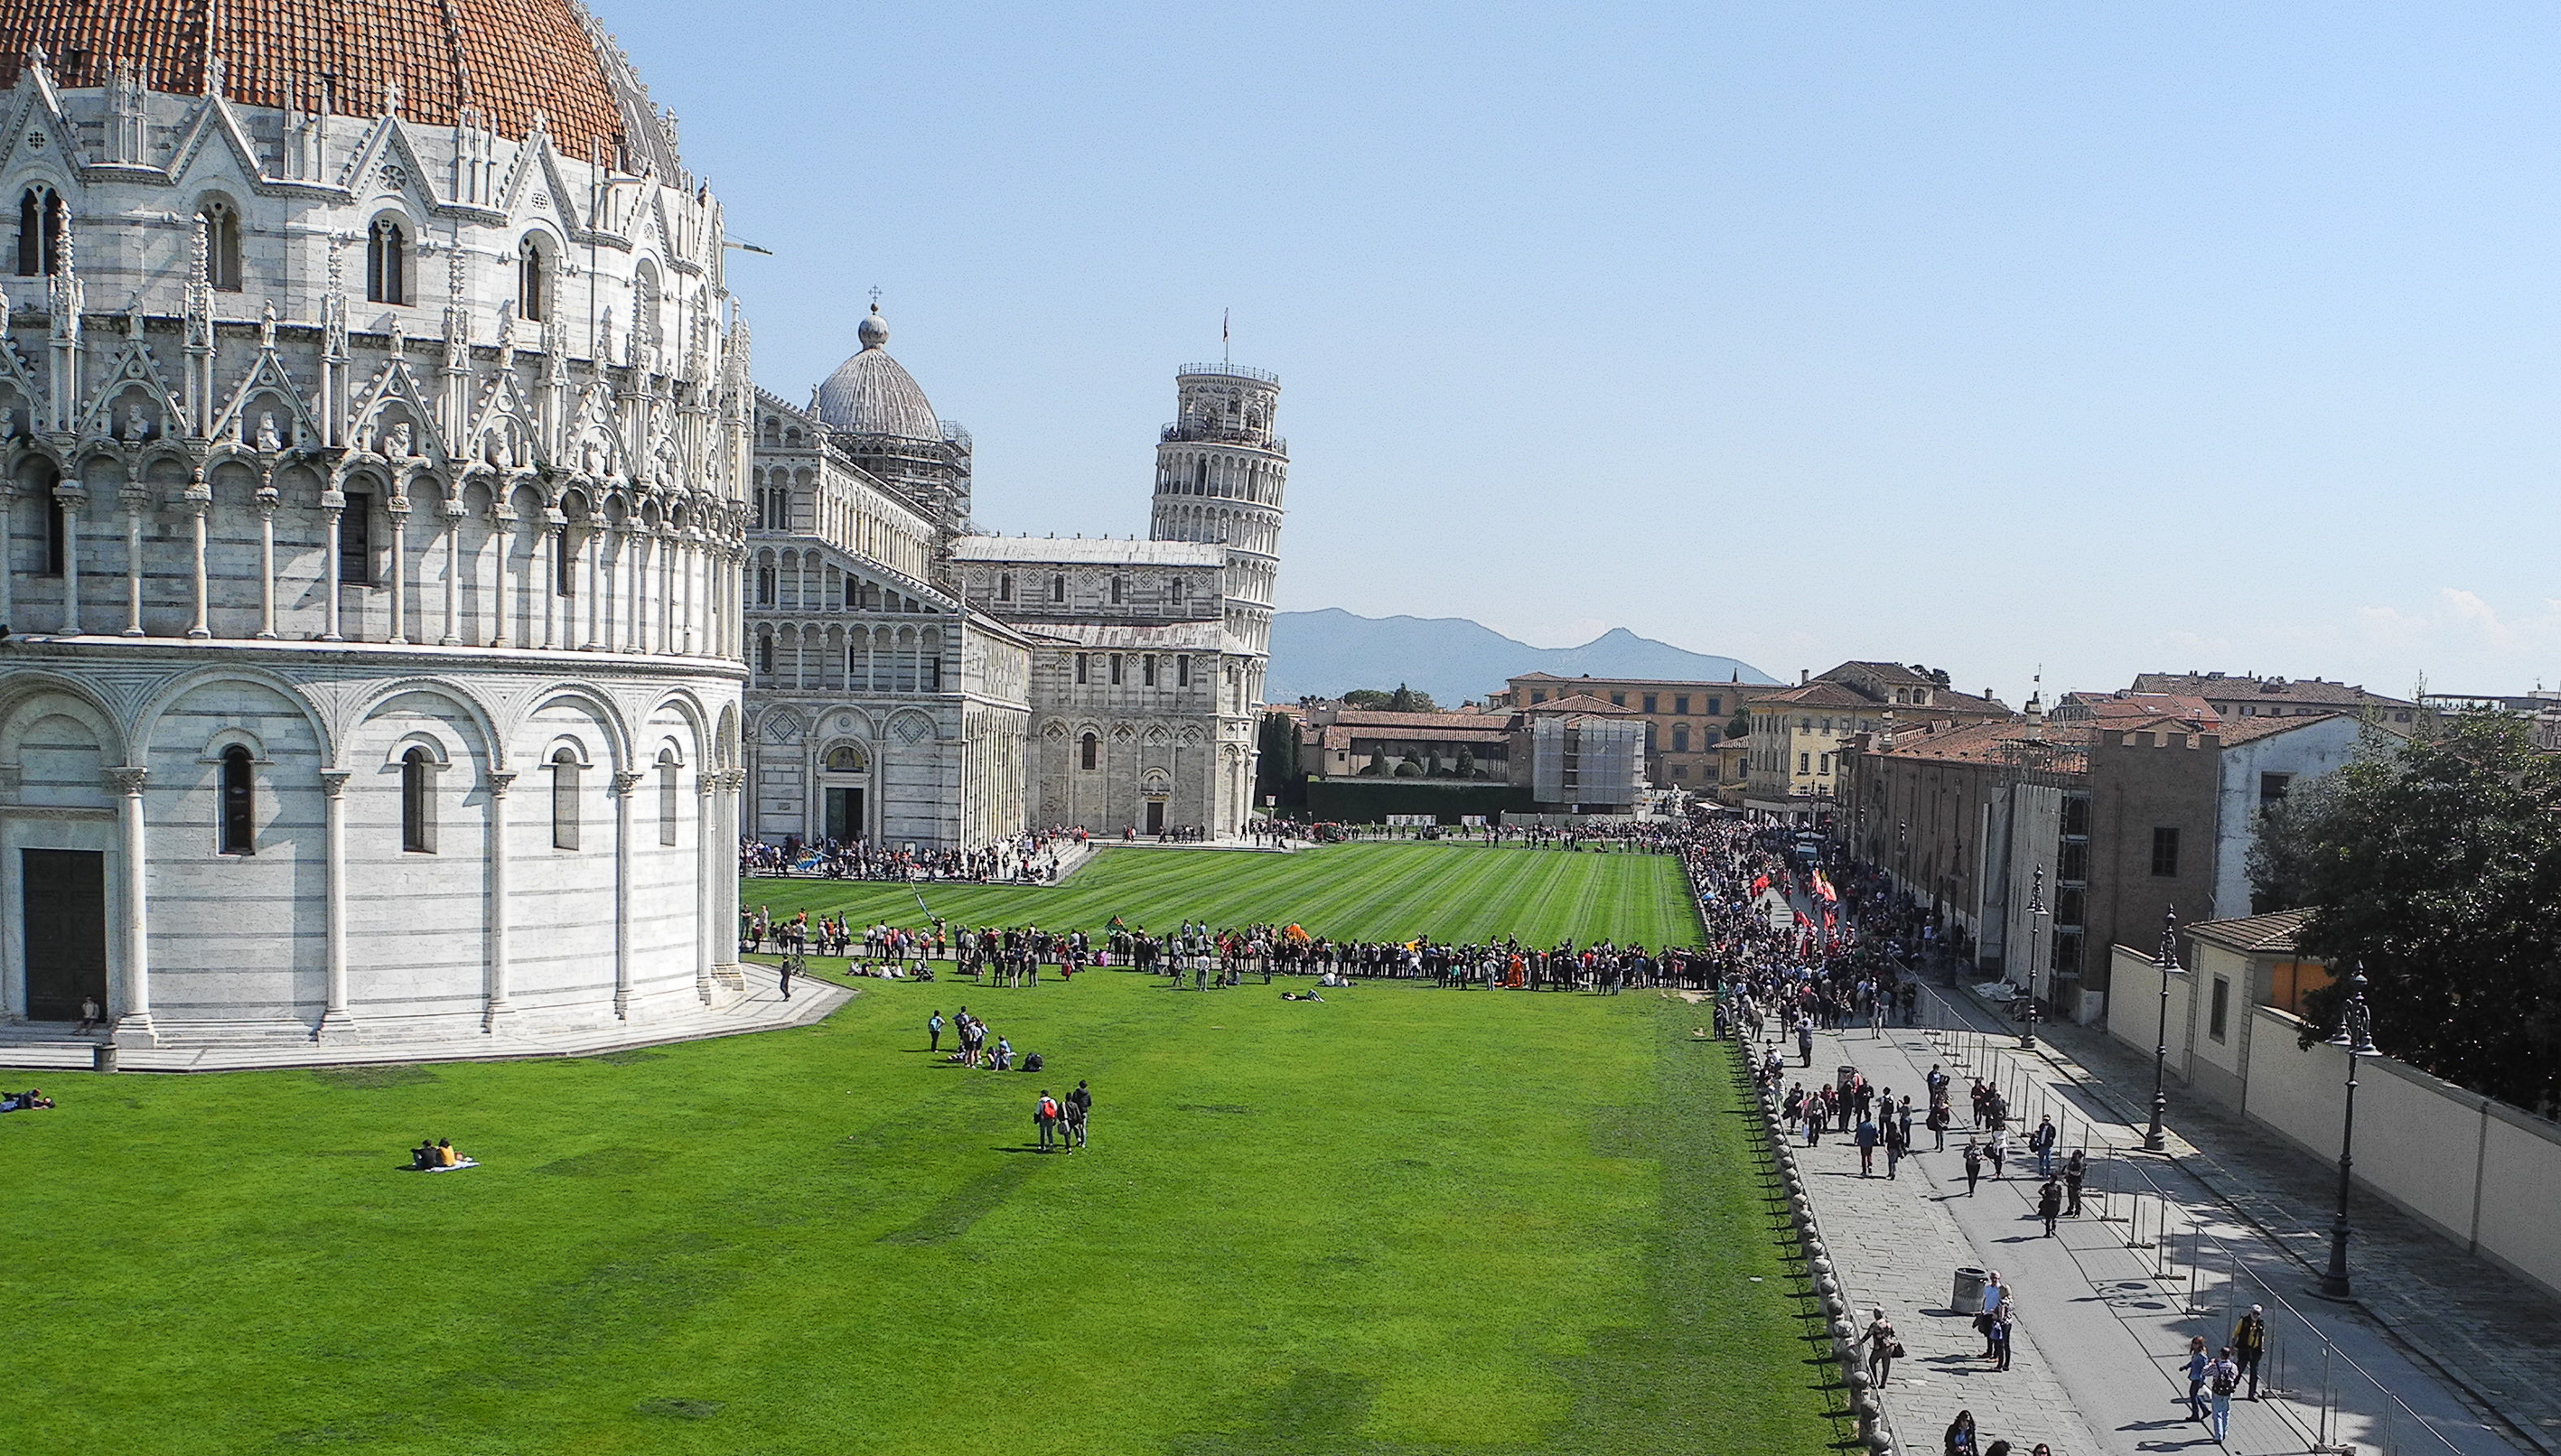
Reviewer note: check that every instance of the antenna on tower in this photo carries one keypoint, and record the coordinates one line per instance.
(1223, 355)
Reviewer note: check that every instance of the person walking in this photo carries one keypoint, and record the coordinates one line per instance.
(2197, 1362)
(1866, 1148)
(1939, 1120)
(1081, 1100)
(786, 976)
(1960, 1436)
(1806, 1038)
(1974, 1165)
(1999, 1151)
(1045, 1120)
(1897, 1143)
(2249, 1342)
(2222, 1378)
(2075, 1169)
(934, 1032)
(1883, 1349)
(2049, 1205)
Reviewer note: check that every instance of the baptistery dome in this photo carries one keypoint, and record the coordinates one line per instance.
(871, 393)
(501, 61)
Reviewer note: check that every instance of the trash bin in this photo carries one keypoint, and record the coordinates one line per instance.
(102, 1058)
(1968, 1299)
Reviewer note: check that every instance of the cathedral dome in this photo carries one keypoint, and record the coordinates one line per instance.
(506, 60)
(871, 393)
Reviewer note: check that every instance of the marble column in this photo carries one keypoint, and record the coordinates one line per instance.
(333, 505)
(334, 1020)
(708, 928)
(724, 883)
(590, 548)
(547, 542)
(453, 634)
(8, 546)
(130, 1003)
(199, 501)
(268, 498)
(398, 508)
(623, 786)
(72, 500)
(495, 1010)
(134, 498)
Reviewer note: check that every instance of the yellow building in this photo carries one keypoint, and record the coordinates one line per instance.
(1683, 721)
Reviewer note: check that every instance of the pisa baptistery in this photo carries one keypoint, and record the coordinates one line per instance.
(373, 441)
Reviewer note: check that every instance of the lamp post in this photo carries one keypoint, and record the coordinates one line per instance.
(2156, 1140)
(2035, 923)
(2355, 1037)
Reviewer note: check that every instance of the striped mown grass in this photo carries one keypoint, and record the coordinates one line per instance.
(1353, 891)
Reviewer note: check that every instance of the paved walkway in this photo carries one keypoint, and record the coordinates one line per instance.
(2103, 1325)
(760, 1008)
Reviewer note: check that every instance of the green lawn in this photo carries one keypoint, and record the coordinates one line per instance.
(1406, 1221)
(1353, 891)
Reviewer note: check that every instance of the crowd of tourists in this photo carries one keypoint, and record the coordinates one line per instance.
(1034, 857)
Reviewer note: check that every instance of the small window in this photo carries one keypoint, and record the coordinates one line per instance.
(1117, 584)
(1091, 750)
(2272, 788)
(668, 802)
(1536, 696)
(1617, 700)
(1649, 702)
(764, 655)
(2165, 853)
(564, 800)
(1174, 591)
(1802, 761)
(387, 262)
(240, 803)
(1716, 708)
(1680, 703)
(417, 802)
(1005, 588)
(2075, 818)
(1080, 669)
(40, 233)
(2221, 1012)
(1148, 671)
(356, 540)
(1680, 739)
(1115, 669)
(764, 587)
(223, 243)
(563, 579)
(1058, 589)
(934, 673)
(1183, 671)
(533, 282)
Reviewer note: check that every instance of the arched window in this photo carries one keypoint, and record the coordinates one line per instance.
(387, 262)
(565, 768)
(1092, 751)
(39, 231)
(533, 282)
(764, 655)
(564, 583)
(667, 800)
(222, 240)
(240, 803)
(417, 802)
(57, 522)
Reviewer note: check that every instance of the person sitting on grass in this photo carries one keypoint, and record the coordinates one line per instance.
(422, 1157)
(446, 1157)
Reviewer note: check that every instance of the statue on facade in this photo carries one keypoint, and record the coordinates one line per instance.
(269, 438)
(137, 427)
(395, 444)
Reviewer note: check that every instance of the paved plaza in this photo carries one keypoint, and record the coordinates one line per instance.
(2106, 1306)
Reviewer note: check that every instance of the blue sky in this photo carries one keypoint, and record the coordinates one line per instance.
(2096, 338)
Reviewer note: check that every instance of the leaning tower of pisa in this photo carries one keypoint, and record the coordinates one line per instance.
(1220, 473)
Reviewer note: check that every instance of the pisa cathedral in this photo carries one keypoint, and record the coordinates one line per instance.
(409, 600)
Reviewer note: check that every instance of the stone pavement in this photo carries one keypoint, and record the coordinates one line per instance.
(760, 1008)
(2496, 1336)
(2103, 1325)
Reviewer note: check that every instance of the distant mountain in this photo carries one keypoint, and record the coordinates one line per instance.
(1330, 652)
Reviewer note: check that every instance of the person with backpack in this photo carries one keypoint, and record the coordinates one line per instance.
(1044, 1118)
(2222, 1378)
(2041, 1142)
(2248, 1343)
(1081, 1100)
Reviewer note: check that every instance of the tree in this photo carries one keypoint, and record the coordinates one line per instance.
(2435, 868)
(1408, 768)
(1377, 766)
(1278, 773)
(1402, 700)
(1740, 727)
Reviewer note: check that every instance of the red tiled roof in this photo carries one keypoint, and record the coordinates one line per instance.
(1380, 717)
(1578, 703)
(507, 58)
